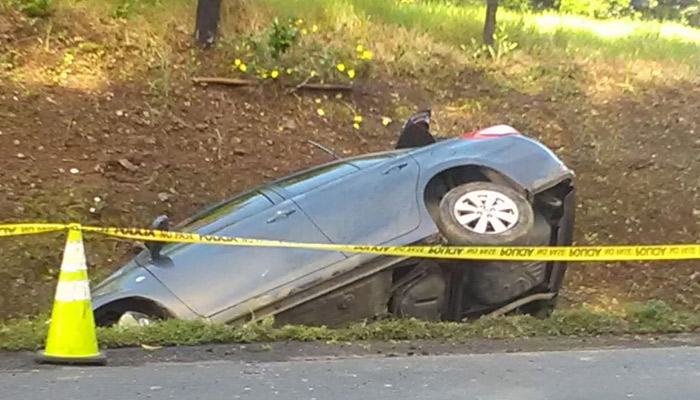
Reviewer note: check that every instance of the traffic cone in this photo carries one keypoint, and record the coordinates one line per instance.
(71, 338)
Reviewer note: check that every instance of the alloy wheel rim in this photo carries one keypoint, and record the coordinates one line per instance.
(486, 212)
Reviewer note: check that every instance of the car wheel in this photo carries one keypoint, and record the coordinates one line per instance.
(484, 213)
(134, 318)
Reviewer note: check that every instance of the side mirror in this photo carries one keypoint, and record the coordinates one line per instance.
(161, 223)
(416, 131)
(421, 119)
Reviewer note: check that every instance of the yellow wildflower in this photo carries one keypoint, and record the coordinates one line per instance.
(289, 71)
(237, 62)
(243, 67)
(314, 28)
(313, 73)
(299, 21)
(304, 31)
(358, 118)
(320, 111)
(341, 67)
(386, 121)
(351, 73)
(366, 55)
(317, 100)
(274, 74)
(360, 48)
(356, 125)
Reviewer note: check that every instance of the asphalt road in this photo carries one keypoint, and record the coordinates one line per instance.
(651, 373)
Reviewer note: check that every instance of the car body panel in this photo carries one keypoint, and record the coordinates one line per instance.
(371, 199)
(383, 203)
(242, 272)
(134, 281)
(524, 161)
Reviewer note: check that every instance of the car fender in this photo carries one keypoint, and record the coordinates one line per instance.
(524, 162)
(138, 282)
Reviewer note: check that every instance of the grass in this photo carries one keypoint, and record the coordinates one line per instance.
(403, 34)
(637, 318)
(458, 23)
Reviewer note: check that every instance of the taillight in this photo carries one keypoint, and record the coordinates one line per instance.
(492, 131)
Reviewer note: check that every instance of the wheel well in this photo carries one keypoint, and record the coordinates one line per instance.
(450, 178)
(110, 313)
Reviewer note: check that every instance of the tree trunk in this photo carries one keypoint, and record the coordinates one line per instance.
(207, 21)
(490, 22)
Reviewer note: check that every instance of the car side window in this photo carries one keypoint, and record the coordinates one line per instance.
(308, 180)
(229, 211)
(370, 160)
(221, 215)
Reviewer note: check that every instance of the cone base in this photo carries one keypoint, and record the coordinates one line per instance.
(95, 359)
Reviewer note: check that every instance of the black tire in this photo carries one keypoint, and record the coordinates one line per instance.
(457, 234)
(493, 282)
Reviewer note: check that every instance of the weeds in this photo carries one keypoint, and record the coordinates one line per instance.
(162, 83)
(34, 8)
(502, 46)
(282, 37)
(651, 317)
(123, 9)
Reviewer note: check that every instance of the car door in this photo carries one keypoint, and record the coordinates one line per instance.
(371, 206)
(213, 278)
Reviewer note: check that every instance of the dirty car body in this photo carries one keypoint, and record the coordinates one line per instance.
(397, 197)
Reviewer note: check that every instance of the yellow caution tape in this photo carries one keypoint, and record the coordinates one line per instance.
(494, 253)
(28, 229)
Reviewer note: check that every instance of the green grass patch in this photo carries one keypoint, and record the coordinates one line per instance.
(650, 317)
(460, 23)
(453, 22)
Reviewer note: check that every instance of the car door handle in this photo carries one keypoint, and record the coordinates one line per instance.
(397, 167)
(281, 214)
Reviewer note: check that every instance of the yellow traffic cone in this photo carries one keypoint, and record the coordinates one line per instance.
(71, 338)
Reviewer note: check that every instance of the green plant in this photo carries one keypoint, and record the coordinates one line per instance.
(503, 44)
(501, 47)
(518, 5)
(34, 8)
(123, 9)
(650, 312)
(282, 36)
(691, 15)
(596, 8)
(127, 8)
(161, 83)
